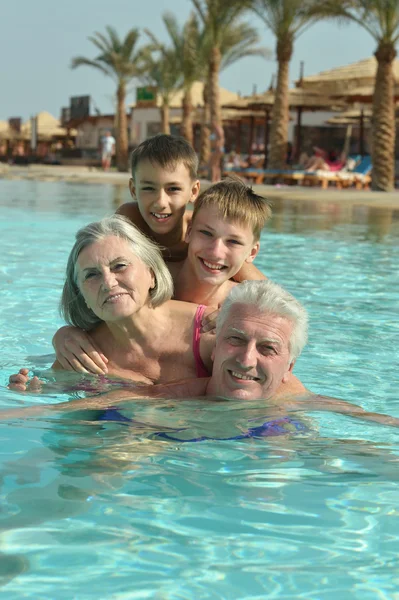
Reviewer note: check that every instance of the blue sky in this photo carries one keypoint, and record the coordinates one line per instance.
(38, 38)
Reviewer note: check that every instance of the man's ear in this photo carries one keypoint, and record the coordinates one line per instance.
(132, 188)
(195, 190)
(188, 232)
(253, 253)
(286, 375)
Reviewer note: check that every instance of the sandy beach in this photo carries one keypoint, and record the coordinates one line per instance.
(91, 175)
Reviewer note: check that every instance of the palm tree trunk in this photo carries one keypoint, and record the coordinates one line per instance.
(280, 112)
(205, 130)
(187, 123)
(383, 121)
(122, 142)
(165, 117)
(214, 92)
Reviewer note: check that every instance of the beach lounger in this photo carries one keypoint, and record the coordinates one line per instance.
(360, 177)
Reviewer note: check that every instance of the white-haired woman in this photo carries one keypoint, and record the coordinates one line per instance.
(119, 289)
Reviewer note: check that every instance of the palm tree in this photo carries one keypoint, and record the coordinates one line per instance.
(160, 66)
(186, 44)
(381, 19)
(216, 16)
(236, 40)
(287, 19)
(119, 60)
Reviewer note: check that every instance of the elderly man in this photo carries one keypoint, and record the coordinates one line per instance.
(261, 330)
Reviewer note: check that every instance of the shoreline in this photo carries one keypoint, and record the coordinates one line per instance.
(300, 194)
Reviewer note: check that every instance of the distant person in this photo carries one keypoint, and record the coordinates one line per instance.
(325, 161)
(107, 150)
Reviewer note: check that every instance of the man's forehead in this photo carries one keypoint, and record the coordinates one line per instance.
(250, 320)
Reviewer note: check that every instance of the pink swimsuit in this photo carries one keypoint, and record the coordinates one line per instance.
(201, 369)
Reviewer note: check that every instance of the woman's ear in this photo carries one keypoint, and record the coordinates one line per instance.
(153, 280)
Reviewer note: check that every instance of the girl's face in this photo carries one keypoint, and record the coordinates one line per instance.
(218, 248)
(114, 282)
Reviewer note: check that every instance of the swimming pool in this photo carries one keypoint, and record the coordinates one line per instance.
(91, 510)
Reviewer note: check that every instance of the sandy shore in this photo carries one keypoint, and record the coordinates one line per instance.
(300, 194)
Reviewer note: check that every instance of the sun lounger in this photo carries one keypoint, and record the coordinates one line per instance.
(360, 177)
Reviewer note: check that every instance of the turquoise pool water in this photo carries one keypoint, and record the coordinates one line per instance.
(91, 510)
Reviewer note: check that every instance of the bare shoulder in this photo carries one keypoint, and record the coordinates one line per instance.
(131, 211)
(179, 308)
(292, 387)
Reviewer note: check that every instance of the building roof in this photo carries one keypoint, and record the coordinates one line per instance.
(356, 74)
(196, 97)
(298, 98)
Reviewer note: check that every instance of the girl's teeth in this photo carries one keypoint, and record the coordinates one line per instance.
(160, 216)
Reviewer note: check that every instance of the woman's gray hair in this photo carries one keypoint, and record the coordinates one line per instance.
(272, 299)
(73, 306)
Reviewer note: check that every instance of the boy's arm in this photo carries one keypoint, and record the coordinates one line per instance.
(76, 351)
(248, 272)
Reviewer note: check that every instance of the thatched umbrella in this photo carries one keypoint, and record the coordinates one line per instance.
(363, 95)
(299, 99)
(341, 80)
(48, 127)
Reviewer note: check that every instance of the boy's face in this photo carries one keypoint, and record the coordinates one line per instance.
(162, 194)
(218, 248)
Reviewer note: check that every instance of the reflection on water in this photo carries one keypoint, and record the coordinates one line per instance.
(289, 215)
(300, 216)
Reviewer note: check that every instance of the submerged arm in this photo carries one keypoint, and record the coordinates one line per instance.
(188, 388)
(325, 403)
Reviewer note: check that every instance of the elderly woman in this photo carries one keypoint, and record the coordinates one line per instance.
(119, 289)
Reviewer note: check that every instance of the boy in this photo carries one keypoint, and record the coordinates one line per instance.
(223, 240)
(164, 180)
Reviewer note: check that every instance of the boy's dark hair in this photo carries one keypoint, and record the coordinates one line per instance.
(236, 202)
(166, 151)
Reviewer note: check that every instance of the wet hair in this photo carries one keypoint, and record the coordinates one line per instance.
(236, 202)
(73, 306)
(167, 151)
(269, 298)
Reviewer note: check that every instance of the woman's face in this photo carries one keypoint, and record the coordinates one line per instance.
(114, 282)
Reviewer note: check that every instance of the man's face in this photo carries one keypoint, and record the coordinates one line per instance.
(251, 356)
(162, 194)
